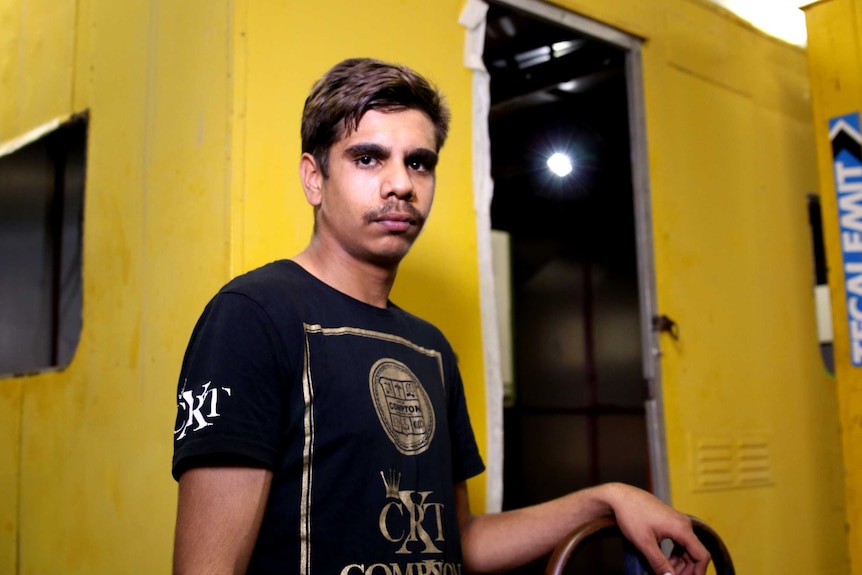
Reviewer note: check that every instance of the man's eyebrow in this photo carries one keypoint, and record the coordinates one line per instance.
(367, 149)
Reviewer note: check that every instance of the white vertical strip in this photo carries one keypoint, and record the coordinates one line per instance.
(473, 19)
(823, 305)
(501, 246)
(656, 436)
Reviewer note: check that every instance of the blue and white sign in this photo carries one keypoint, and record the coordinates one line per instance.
(844, 135)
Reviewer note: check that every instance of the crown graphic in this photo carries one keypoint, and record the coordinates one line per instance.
(392, 483)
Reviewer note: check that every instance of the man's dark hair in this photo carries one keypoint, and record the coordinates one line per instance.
(349, 89)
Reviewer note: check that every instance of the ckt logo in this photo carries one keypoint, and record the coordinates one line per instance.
(199, 409)
(411, 518)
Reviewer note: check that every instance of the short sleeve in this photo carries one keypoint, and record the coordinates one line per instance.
(232, 388)
(466, 460)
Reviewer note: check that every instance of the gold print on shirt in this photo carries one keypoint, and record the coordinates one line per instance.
(412, 518)
(402, 405)
(414, 521)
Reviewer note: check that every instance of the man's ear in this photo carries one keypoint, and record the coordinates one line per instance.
(312, 179)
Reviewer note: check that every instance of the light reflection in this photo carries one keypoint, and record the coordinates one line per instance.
(560, 164)
(780, 18)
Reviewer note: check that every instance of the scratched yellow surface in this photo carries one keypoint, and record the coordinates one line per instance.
(835, 55)
(192, 179)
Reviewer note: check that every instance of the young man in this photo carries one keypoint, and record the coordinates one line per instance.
(323, 430)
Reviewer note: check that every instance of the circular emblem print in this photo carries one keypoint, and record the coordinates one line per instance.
(402, 405)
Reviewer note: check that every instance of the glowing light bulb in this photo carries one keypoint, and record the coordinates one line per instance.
(560, 164)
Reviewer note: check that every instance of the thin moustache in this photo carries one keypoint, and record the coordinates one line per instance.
(400, 212)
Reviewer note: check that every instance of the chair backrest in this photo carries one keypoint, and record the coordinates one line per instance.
(633, 562)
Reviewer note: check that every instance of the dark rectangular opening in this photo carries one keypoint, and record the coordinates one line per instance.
(41, 230)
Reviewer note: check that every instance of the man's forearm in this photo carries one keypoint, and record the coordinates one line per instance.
(503, 541)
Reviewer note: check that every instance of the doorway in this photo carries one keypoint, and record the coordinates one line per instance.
(581, 401)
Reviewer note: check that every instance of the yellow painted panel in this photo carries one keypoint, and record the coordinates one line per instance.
(834, 56)
(82, 66)
(640, 19)
(192, 161)
(10, 437)
(785, 89)
(96, 491)
(710, 48)
(36, 62)
(734, 262)
(185, 239)
(35, 86)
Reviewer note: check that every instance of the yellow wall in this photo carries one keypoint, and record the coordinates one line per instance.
(193, 151)
(36, 86)
(835, 53)
(95, 493)
(192, 179)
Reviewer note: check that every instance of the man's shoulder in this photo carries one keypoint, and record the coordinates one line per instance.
(274, 277)
(419, 324)
(278, 287)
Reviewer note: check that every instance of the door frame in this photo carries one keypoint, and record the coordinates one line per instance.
(482, 186)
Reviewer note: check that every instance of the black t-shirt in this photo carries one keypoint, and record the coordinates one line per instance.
(358, 411)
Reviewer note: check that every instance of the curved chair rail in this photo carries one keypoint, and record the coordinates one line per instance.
(634, 562)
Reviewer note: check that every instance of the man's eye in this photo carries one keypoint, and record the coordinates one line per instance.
(420, 166)
(423, 163)
(365, 160)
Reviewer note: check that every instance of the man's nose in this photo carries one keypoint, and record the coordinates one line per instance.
(397, 182)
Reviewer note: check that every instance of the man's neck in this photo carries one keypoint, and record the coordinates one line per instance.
(365, 281)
